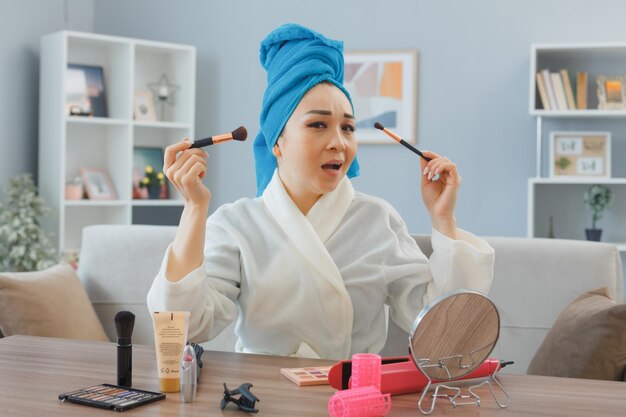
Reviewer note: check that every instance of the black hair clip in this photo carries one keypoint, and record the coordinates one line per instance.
(246, 402)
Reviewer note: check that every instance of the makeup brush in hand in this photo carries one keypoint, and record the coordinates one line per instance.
(239, 134)
(124, 323)
(401, 141)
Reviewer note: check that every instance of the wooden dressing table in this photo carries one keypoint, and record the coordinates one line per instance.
(35, 370)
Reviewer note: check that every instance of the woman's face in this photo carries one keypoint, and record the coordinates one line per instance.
(318, 143)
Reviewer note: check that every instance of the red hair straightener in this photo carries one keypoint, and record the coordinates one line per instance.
(399, 375)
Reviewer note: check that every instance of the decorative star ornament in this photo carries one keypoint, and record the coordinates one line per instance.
(163, 90)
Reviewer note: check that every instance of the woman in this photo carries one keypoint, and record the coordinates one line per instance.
(309, 264)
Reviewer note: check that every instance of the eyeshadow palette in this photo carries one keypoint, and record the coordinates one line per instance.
(111, 397)
(307, 376)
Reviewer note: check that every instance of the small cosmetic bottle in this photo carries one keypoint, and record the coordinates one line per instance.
(188, 375)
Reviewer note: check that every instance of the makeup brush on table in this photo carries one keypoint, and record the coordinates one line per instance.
(124, 323)
(401, 141)
(239, 134)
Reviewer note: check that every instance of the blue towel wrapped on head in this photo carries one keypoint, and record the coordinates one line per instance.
(296, 59)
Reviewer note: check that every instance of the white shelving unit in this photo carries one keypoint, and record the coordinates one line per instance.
(562, 198)
(68, 143)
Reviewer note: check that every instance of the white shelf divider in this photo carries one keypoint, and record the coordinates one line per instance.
(591, 114)
(561, 181)
(148, 203)
(97, 121)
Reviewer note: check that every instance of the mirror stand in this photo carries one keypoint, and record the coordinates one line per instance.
(468, 399)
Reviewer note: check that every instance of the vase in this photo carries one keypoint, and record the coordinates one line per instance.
(154, 192)
(593, 234)
(73, 192)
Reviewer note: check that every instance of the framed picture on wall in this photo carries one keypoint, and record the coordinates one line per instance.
(383, 87)
(580, 154)
(98, 185)
(85, 94)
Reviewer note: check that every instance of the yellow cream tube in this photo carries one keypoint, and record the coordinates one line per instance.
(170, 338)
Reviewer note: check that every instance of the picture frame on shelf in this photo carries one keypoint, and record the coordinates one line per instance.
(98, 185)
(85, 93)
(383, 87)
(611, 92)
(143, 106)
(580, 154)
(144, 156)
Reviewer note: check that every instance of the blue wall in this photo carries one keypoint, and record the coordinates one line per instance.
(22, 24)
(472, 96)
(472, 93)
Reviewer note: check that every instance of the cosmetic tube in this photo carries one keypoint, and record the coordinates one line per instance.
(188, 375)
(170, 338)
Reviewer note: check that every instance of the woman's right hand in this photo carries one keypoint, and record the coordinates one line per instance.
(186, 172)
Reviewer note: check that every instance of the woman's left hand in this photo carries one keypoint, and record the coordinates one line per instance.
(440, 185)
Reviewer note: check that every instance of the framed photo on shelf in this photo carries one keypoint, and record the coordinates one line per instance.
(98, 185)
(85, 94)
(383, 87)
(144, 156)
(611, 93)
(580, 154)
(143, 107)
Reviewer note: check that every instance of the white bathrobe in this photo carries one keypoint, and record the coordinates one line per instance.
(316, 285)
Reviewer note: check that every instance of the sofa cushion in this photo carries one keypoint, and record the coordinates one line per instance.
(49, 303)
(588, 340)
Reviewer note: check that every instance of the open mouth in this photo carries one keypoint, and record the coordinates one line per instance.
(333, 165)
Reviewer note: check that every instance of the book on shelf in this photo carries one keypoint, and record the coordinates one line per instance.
(581, 90)
(543, 94)
(547, 81)
(559, 91)
(569, 93)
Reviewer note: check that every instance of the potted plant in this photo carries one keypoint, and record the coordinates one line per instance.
(24, 245)
(153, 182)
(597, 198)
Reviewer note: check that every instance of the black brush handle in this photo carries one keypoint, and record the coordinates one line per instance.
(125, 365)
(414, 149)
(201, 143)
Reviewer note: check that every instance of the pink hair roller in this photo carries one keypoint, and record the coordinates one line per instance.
(366, 369)
(359, 402)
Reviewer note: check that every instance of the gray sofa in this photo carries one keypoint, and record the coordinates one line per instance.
(534, 280)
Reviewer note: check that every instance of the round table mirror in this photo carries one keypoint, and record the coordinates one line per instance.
(454, 334)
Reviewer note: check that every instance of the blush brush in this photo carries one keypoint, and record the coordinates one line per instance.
(401, 141)
(124, 323)
(239, 134)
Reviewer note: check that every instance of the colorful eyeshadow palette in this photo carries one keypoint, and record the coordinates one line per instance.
(111, 397)
(307, 376)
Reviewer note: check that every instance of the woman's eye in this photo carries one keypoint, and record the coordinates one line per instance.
(317, 125)
(349, 128)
